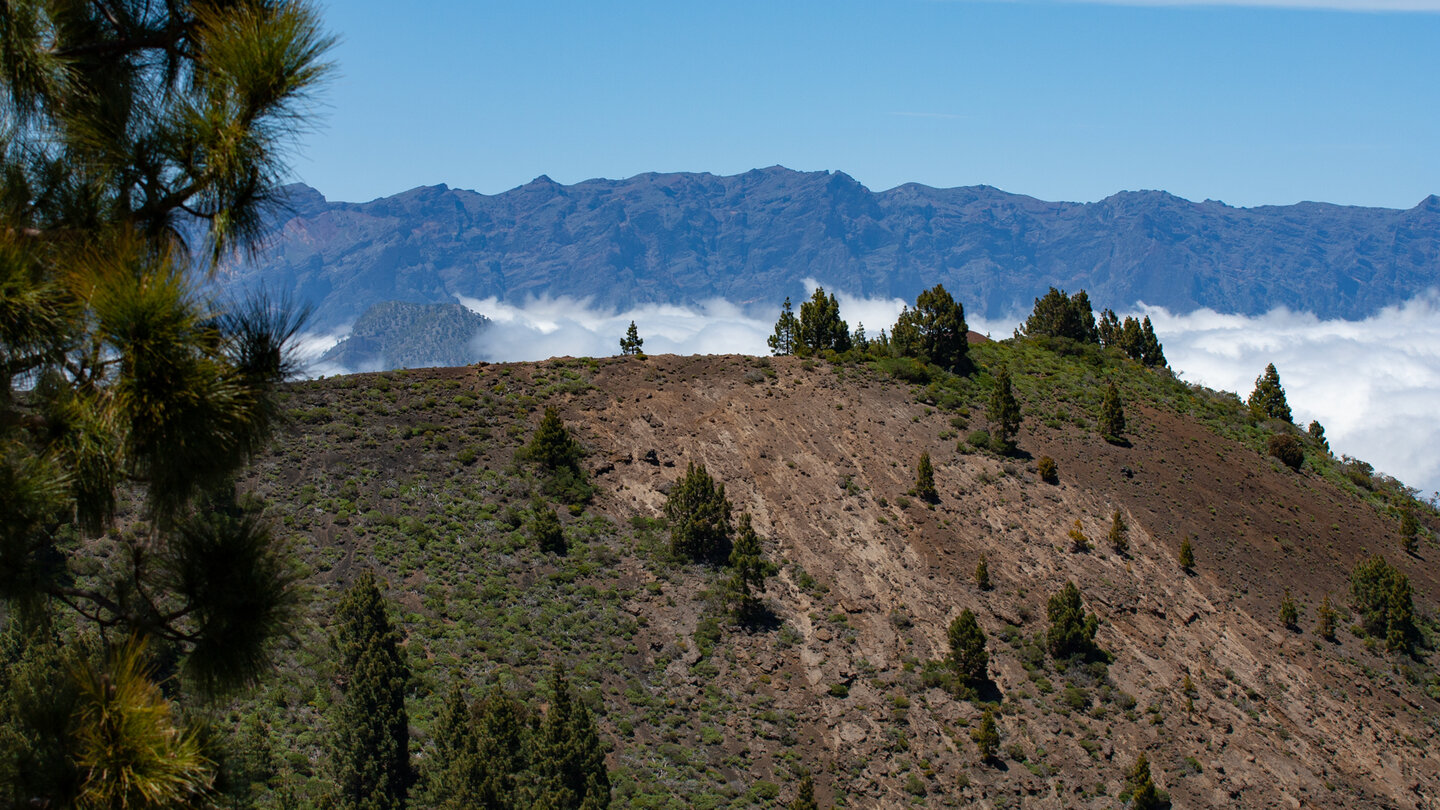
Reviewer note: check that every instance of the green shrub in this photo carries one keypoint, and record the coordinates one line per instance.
(1048, 470)
(1287, 448)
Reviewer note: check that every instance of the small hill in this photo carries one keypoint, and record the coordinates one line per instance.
(414, 473)
(396, 334)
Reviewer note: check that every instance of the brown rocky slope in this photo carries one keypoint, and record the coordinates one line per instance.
(1231, 708)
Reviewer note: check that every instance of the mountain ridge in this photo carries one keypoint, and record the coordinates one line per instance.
(750, 238)
(417, 474)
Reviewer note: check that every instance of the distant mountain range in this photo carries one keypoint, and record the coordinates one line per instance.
(751, 238)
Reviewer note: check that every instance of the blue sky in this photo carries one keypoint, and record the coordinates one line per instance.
(1250, 104)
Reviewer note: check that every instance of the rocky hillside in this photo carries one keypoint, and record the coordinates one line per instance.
(414, 473)
(684, 238)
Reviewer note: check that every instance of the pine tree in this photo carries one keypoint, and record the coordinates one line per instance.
(552, 447)
(1108, 330)
(1187, 554)
(935, 330)
(925, 480)
(748, 572)
(859, 341)
(455, 775)
(503, 747)
(1057, 315)
(1079, 543)
(569, 760)
(1112, 415)
(128, 746)
(987, 736)
(1003, 411)
(631, 343)
(1072, 632)
(545, 530)
(699, 516)
(1409, 529)
(1143, 795)
(1267, 401)
(820, 326)
(785, 341)
(1289, 612)
(1317, 435)
(1325, 618)
(968, 658)
(1119, 536)
(1132, 339)
(805, 794)
(1151, 353)
(142, 141)
(370, 732)
(982, 574)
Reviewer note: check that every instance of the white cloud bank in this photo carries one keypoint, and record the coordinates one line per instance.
(1374, 384)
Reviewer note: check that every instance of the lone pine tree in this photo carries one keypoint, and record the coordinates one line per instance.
(1187, 554)
(1381, 594)
(1003, 411)
(805, 794)
(1289, 612)
(1071, 632)
(968, 658)
(925, 480)
(699, 516)
(1267, 401)
(1143, 794)
(552, 447)
(787, 332)
(748, 572)
(986, 736)
(1119, 535)
(631, 343)
(1112, 414)
(370, 732)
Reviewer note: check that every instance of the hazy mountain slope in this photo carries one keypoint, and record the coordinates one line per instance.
(413, 472)
(752, 237)
(394, 334)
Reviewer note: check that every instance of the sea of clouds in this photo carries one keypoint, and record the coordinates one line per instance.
(1374, 383)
